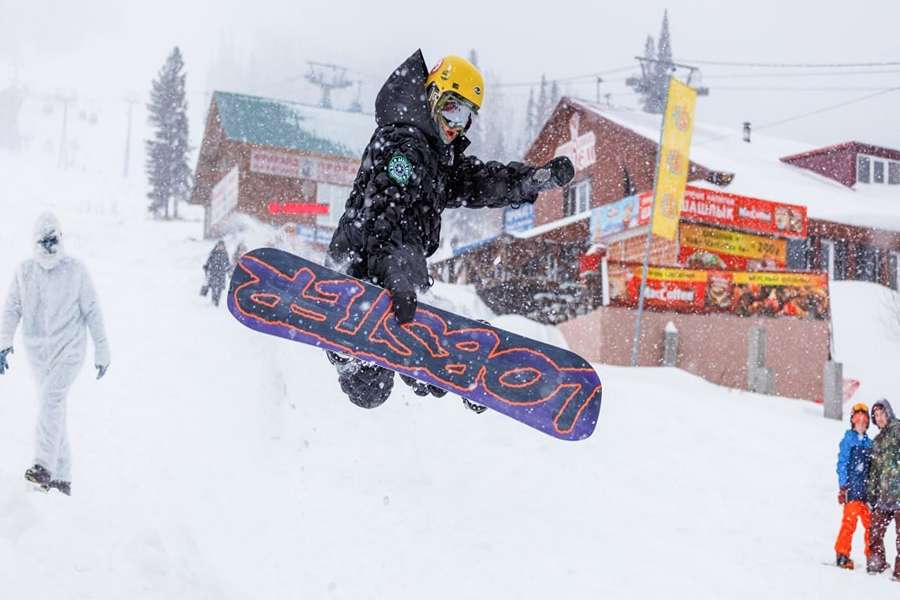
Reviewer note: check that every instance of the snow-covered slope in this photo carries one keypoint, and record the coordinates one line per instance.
(213, 462)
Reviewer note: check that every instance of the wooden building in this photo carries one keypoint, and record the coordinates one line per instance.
(849, 193)
(278, 162)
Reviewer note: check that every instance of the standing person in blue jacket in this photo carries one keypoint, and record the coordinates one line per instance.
(854, 459)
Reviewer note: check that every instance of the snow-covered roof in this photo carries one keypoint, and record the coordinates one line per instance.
(760, 173)
(285, 124)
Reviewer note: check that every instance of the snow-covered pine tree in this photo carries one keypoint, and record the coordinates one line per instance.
(663, 66)
(541, 108)
(530, 119)
(554, 98)
(167, 166)
(11, 100)
(656, 68)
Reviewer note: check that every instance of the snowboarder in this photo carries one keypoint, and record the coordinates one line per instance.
(216, 268)
(412, 170)
(884, 486)
(853, 461)
(52, 295)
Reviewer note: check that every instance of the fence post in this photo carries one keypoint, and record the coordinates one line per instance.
(670, 345)
(833, 390)
(756, 355)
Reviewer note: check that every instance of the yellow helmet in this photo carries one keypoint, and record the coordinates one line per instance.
(456, 74)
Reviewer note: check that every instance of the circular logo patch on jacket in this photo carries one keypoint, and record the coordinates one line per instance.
(400, 169)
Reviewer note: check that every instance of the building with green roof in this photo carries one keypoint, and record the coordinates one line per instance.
(277, 161)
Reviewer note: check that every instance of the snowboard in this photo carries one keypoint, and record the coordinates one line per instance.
(543, 386)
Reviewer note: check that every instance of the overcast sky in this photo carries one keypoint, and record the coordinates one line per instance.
(109, 48)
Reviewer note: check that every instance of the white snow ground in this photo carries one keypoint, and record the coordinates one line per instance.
(214, 462)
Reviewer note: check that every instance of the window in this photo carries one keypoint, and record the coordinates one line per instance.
(335, 196)
(863, 174)
(894, 270)
(866, 263)
(877, 171)
(871, 169)
(827, 258)
(894, 173)
(578, 198)
(797, 254)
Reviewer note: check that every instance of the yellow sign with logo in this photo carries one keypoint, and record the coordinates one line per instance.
(733, 243)
(674, 152)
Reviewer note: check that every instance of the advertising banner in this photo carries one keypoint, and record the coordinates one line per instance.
(745, 213)
(708, 247)
(518, 220)
(283, 164)
(224, 196)
(770, 294)
(622, 215)
(270, 162)
(674, 151)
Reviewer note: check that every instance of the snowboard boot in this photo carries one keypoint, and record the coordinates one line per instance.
(475, 408)
(343, 364)
(63, 487)
(844, 562)
(367, 386)
(39, 476)
(423, 389)
(876, 565)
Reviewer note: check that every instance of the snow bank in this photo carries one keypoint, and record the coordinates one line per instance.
(214, 462)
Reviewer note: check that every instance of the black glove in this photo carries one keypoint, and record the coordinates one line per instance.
(842, 496)
(403, 272)
(101, 370)
(556, 173)
(404, 306)
(3, 364)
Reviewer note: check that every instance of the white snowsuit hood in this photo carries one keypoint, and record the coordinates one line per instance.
(48, 253)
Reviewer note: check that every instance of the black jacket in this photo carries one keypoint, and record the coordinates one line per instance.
(217, 267)
(408, 176)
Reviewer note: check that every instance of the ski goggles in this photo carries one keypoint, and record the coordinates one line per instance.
(49, 242)
(456, 112)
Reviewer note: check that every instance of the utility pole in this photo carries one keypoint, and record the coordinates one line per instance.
(130, 101)
(62, 161)
(599, 81)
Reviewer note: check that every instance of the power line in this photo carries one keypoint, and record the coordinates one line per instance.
(828, 108)
(804, 115)
(566, 79)
(753, 88)
(794, 65)
(799, 74)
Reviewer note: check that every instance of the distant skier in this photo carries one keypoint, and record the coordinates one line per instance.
(52, 295)
(854, 457)
(412, 170)
(884, 486)
(216, 267)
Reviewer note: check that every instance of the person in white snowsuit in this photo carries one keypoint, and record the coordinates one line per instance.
(53, 297)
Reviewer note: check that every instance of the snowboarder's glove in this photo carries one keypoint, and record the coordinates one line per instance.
(404, 305)
(3, 364)
(842, 496)
(101, 370)
(556, 173)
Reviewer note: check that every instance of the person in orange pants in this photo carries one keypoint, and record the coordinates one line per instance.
(854, 458)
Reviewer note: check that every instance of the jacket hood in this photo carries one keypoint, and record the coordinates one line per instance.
(45, 226)
(886, 406)
(402, 100)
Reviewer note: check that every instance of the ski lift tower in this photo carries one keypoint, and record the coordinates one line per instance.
(327, 77)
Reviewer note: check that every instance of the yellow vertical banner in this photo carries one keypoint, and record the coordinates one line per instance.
(674, 158)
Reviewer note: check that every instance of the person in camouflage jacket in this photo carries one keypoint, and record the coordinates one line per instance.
(884, 485)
